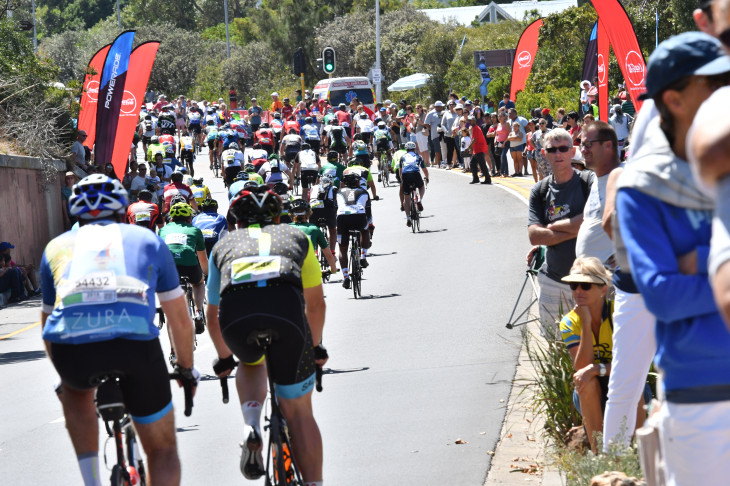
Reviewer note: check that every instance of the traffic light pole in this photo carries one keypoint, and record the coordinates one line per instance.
(378, 89)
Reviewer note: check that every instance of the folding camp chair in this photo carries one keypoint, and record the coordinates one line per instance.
(538, 258)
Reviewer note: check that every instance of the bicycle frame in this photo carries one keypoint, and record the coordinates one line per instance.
(355, 268)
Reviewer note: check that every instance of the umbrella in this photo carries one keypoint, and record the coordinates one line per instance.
(414, 81)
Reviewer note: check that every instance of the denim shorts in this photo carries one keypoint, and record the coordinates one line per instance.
(517, 148)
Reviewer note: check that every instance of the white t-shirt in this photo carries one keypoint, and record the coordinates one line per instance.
(465, 142)
(138, 183)
(592, 241)
(365, 125)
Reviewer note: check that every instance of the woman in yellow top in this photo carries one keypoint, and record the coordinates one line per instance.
(591, 346)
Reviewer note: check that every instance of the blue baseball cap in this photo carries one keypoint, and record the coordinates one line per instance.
(686, 54)
(5, 245)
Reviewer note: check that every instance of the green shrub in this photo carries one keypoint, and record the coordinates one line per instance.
(580, 467)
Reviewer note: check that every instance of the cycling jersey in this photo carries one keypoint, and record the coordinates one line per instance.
(153, 149)
(352, 201)
(382, 139)
(166, 121)
(314, 234)
(310, 132)
(265, 136)
(232, 158)
(337, 138)
(411, 162)
(271, 171)
(227, 137)
(186, 143)
(200, 193)
(257, 157)
(292, 143)
(211, 224)
(321, 198)
(308, 160)
(212, 133)
(365, 125)
(148, 127)
(99, 283)
(291, 125)
(183, 240)
(144, 214)
(333, 170)
(173, 189)
(397, 155)
(194, 117)
(214, 118)
(342, 117)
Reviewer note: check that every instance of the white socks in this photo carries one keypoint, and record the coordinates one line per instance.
(252, 415)
(89, 465)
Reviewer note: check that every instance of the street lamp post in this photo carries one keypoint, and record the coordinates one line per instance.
(35, 36)
(378, 90)
(228, 39)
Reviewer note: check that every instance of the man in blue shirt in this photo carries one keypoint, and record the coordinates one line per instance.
(506, 103)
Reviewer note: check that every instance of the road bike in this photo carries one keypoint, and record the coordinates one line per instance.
(323, 263)
(129, 469)
(415, 213)
(297, 183)
(384, 163)
(187, 289)
(355, 267)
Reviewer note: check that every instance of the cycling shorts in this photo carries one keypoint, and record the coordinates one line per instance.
(314, 145)
(330, 214)
(193, 273)
(355, 222)
(231, 173)
(145, 382)
(146, 140)
(167, 131)
(366, 136)
(211, 144)
(187, 155)
(291, 356)
(383, 145)
(195, 129)
(309, 177)
(411, 180)
(269, 149)
(209, 244)
(339, 147)
(289, 156)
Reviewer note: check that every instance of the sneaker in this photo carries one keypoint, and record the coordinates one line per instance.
(408, 223)
(199, 323)
(419, 206)
(380, 178)
(252, 461)
(364, 263)
(346, 283)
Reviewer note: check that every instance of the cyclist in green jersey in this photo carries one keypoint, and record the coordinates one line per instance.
(250, 169)
(332, 168)
(301, 212)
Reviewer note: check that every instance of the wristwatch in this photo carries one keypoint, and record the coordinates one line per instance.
(601, 369)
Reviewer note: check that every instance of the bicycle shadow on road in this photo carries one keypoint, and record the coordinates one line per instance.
(382, 254)
(12, 358)
(372, 297)
(330, 371)
(432, 231)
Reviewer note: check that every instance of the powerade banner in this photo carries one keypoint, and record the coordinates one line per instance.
(602, 47)
(138, 74)
(87, 114)
(590, 63)
(111, 93)
(625, 45)
(524, 57)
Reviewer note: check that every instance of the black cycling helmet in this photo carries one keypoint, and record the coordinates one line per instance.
(333, 156)
(306, 146)
(241, 176)
(198, 181)
(353, 161)
(249, 167)
(351, 180)
(255, 205)
(299, 206)
(177, 198)
(280, 188)
(308, 120)
(264, 125)
(209, 205)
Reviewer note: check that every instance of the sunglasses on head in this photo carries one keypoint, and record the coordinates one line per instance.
(582, 285)
(562, 149)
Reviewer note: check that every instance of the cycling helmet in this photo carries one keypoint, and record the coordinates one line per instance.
(198, 181)
(249, 167)
(280, 188)
(299, 206)
(333, 156)
(209, 205)
(334, 122)
(177, 198)
(155, 139)
(351, 180)
(169, 149)
(211, 111)
(325, 182)
(277, 115)
(181, 210)
(378, 121)
(97, 196)
(248, 184)
(273, 156)
(255, 204)
(233, 145)
(241, 176)
(410, 146)
(181, 169)
(353, 161)
(264, 125)
(381, 125)
(306, 146)
(360, 148)
(308, 120)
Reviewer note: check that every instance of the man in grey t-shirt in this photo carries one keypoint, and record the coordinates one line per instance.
(447, 123)
(79, 152)
(433, 122)
(554, 221)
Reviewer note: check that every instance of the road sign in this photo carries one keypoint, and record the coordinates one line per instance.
(377, 76)
(25, 25)
(494, 58)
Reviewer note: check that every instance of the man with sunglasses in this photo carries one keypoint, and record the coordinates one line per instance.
(665, 224)
(556, 213)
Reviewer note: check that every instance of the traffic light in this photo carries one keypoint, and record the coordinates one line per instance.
(328, 60)
(300, 62)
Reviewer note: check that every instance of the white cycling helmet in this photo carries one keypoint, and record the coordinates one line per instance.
(233, 146)
(410, 146)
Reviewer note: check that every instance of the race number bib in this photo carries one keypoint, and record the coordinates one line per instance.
(142, 217)
(92, 289)
(176, 239)
(255, 269)
(208, 233)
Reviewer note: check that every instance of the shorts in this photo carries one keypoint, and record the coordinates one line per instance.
(355, 222)
(187, 156)
(314, 144)
(146, 140)
(309, 177)
(211, 144)
(603, 381)
(269, 148)
(383, 146)
(329, 214)
(366, 137)
(255, 127)
(517, 148)
(193, 273)
(291, 355)
(195, 129)
(422, 142)
(167, 131)
(340, 147)
(145, 382)
(411, 180)
(290, 155)
(209, 244)
(231, 173)
(180, 123)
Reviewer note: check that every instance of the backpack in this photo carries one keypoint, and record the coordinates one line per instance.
(543, 185)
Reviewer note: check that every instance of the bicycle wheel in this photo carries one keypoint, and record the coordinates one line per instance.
(355, 269)
(283, 464)
(117, 477)
(414, 214)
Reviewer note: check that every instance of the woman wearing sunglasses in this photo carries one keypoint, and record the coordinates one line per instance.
(587, 332)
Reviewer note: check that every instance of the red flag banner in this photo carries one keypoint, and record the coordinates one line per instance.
(90, 96)
(138, 74)
(603, 50)
(524, 57)
(625, 45)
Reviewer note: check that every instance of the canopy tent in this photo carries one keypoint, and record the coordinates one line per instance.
(414, 81)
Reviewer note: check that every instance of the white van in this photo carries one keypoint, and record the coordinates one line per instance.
(343, 90)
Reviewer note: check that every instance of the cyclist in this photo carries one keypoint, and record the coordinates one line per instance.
(144, 212)
(395, 162)
(211, 131)
(383, 146)
(291, 144)
(276, 127)
(311, 134)
(364, 126)
(333, 168)
(232, 162)
(257, 156)
(307, 165)
(283, 191)
(266, 138)
(169, 158)
(187, 150)
(272, 171)
(195, 122)
(187, 245)
(212, 116)
(166, 120)
(358, 165)
(338, 139)
(147, 129)
(154, 147)
(353, 213)
(175, 188)
(323, 201)
(113, 270)
(210, 223)
(250, 169)
(301, 212)
(410, 168)
(200, 191)
(253, 270)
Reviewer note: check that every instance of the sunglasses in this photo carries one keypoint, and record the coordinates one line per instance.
(561, 149)
(583, 285)
(724, 36)
(589, 143)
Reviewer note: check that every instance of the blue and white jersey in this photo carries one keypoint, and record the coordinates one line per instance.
(99, 283)
(211, 224)
(411, 162)
(310, 132)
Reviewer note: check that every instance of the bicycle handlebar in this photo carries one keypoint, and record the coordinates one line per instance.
(220, 365)
(187, 383)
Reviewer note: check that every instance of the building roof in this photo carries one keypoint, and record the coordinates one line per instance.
(495, 12)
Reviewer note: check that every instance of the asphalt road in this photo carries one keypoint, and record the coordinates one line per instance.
(423, 359)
